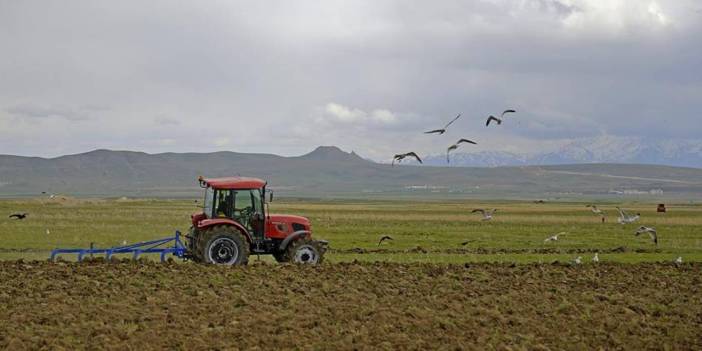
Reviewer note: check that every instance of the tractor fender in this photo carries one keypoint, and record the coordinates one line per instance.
(207, 223)
(293, 236)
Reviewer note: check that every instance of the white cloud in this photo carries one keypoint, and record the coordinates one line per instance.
(334, 112)
(344, 114)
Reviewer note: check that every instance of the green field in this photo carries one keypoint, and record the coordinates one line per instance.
(422, 231)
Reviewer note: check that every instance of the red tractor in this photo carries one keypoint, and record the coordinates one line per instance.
(235, 222)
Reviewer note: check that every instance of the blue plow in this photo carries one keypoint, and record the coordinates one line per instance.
(146, 247)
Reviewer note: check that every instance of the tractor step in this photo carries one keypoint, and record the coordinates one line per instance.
(146, 247)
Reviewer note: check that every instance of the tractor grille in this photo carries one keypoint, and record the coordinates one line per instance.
(297, 227)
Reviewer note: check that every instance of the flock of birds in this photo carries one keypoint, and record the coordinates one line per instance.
(624, 218)
(399, 157)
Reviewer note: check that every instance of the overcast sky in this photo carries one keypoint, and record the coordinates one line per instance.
(370, 76)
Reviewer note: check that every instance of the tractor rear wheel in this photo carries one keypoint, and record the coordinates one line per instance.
(223, 245)
(305, 251)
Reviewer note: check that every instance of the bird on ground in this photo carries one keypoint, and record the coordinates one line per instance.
(384, 238)
(578, 260)
(625, 218)
(678, 260)
(467, 242)
(124, 242)
(48, 231)
(595, 210)
(443, 130)
(554, 237)
(498, 120)
(487, 214)
(400, 157)
(596, 258)
(650, 231)
(19, 216)
(455, 146)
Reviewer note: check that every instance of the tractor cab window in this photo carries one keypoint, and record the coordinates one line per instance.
(209, 201)
(246, 204)
(243, 208)
(223, 203)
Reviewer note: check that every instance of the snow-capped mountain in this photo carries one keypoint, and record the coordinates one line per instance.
(602, 149)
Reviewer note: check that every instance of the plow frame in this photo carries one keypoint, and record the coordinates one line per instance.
(145, 247)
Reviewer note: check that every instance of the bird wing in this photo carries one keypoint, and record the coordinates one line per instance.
(466, 141)
(622, 213)
(507, 111)
(491, 118)
(414, 155)
(478, 210)
(435, 131)
(654, 236)
(14, 215)
(453, 120)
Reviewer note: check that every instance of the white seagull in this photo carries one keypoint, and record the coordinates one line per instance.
(578, 260)
(455, 146)
(443, 130)
(487, 214)
(625, 218)
(596, 258)
(595, 210)
(678, 260)
(498, 120)
(554, 237)
(651, 232)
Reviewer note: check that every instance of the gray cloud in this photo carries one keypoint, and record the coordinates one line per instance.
(38, 111)
(283, 77)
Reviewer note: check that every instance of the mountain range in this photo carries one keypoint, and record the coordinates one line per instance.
(601, 149)
(330, 172)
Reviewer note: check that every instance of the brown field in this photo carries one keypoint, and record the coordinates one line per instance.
(350, 306)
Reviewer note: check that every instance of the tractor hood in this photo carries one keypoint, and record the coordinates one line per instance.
(282, 218)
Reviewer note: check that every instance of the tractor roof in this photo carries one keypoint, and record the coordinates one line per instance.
(234, 183)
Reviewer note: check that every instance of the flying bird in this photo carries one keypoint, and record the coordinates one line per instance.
(467, 242)
(487, 214)
(650, 231)
(498, 120)
(19, 216)
(455, 146)
(595, 210)
(384, 238)
(554, 237)
(596, 258)
(400, 157)
(443, 130)
(625, 218)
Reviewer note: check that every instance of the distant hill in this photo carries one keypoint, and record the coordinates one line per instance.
(329, 172)
(601, 149)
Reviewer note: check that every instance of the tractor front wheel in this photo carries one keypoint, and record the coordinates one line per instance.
(224, 245)
(305, 251)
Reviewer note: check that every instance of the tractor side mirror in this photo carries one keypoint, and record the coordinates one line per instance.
(270, 197)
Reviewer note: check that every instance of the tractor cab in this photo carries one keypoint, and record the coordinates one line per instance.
(235, 222)
(236, 200)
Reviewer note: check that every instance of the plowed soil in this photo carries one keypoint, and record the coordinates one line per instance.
(349, 306)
